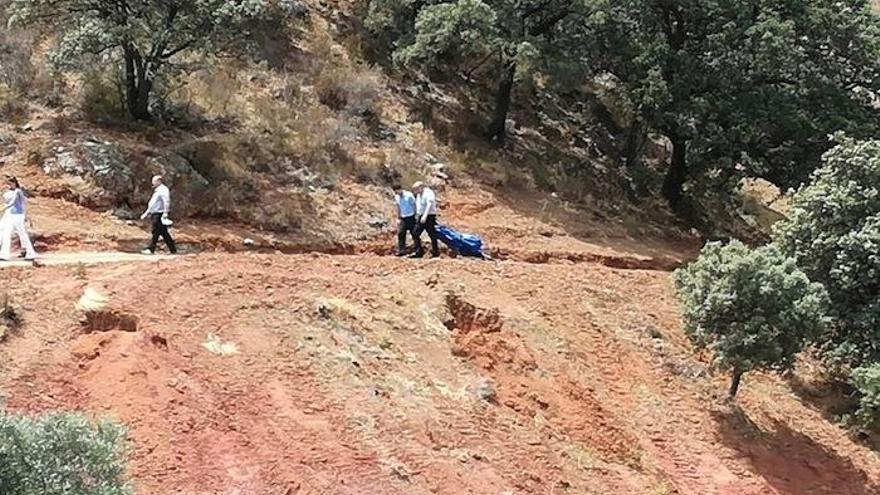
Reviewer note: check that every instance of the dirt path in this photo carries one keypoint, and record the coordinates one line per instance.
(56, 259)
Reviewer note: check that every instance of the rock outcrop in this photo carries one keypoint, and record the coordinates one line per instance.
(101, 174)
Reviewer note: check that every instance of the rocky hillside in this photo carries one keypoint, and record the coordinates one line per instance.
(302, 142)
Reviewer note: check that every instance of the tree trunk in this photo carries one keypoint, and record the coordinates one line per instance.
(138, 84)
(734, 383)
(498, 127)
(140, 107)
(677, 175)
(634, 146)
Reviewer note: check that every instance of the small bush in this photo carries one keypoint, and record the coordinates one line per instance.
(866, 380)
(354, 91)
(13, 108)
(10, 318)
(102, 98)
(753, 308)
(61, 454)
(16, 48)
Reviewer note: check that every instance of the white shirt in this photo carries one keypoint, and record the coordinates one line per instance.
(426, 203)
(161, 200)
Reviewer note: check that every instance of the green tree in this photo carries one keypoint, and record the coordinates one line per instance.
(509, 39)
(146, 35)
(833, 231)
(866, 381)
(740, 87)
(753, 308)
(61, 454)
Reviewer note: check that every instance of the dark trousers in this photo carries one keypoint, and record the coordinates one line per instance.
(161, 230)
(405, 226)
(430, 226)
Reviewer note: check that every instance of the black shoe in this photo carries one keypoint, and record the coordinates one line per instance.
(416, 255)
(401, 254)
(435, 255)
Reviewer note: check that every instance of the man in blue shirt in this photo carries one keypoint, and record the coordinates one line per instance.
(405, 209)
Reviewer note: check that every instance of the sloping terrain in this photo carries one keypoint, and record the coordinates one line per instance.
(311, 361)
(271, 373)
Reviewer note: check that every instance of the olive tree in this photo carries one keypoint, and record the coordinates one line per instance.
(61, 454)
(833, 232)
(146, 36)
(753, 308)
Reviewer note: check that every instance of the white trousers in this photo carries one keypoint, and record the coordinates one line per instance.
(14, 223)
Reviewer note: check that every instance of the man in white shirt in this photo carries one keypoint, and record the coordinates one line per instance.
(157, 210)
(426, 216)
(405, 209)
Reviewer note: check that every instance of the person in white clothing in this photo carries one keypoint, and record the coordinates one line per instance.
(405, 211)
(157, 210)
(14, 212)
(426, 219)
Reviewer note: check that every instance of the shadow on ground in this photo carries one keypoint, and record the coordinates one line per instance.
(789, 461)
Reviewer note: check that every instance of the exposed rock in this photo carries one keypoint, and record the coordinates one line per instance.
(377, 223)
(124, 213)
(307, 178)
(112, 176)
(294, 8)
(484, 390)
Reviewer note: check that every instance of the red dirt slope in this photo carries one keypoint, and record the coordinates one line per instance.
(374, 375)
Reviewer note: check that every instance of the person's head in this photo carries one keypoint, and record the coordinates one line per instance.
(418, 187)
(397, 188)
(157, 180)
(12, 182)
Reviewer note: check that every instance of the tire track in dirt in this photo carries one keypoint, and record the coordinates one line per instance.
(226, 425)
(346, 381)
(571, 411)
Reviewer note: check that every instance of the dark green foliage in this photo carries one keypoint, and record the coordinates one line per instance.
(866, 381)
(508, 40)
(61, 454)
(753, 308)
(833, 231)
(740, 88)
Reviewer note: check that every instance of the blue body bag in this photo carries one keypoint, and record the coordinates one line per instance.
(463, 244)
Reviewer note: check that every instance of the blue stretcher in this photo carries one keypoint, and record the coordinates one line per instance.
(464, 244)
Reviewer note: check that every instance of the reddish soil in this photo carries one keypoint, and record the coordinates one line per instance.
(559, 368)
(372, 375)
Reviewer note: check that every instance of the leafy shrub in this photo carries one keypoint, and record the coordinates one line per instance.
(13, 109)
(753, 308)
(102, 97)
(866, 380)
(16, 70)
(10, 318)
(355, 91)
(833, 231)
(61, 454)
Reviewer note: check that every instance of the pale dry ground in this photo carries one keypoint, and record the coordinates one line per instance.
(55, 259)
